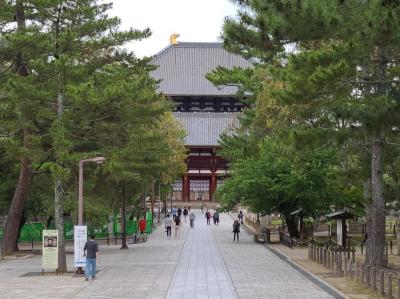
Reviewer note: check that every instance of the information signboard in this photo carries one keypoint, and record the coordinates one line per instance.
(80, 238)
(50, 250)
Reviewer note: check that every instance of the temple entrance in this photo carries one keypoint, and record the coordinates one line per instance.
(199, 189)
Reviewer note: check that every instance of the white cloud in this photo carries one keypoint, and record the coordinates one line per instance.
(194, 20)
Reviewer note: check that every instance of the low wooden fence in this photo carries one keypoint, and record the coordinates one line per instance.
(342, 262)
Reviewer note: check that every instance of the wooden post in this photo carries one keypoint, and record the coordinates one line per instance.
(309, 251)
(357, 271)
(387, 252)
(353, 252)
(328, 258)
(351, 262)
(340, 256)
(325, 256)
(368, 275)
(346, 273)
(373, 278)
(332, 260)
(381, 283)
(321, 253)
(362, 272)
(389, 286)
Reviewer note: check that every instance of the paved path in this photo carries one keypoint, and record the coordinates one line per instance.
(201, 272)
(257, 272)
(203, 262)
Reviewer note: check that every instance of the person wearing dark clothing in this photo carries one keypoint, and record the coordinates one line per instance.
(208, 216)
(240, 217)
(91, 251)
(177, 226)
(179, 212)
(236, 230)
(185, 213)
(216, 217)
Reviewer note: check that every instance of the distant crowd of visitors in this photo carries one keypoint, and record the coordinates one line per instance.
(176, 222)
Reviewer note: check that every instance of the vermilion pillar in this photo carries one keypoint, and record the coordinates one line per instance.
(185, 188)
(213, 186)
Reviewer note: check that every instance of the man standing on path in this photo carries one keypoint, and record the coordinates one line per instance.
(177, 226)
(208, 216)
(192, 217)
(185, 213)
(216, 217)
(168, 225)
(173, 212)
(179, 212)
(91, 251)
(236, 230)
(240, 217)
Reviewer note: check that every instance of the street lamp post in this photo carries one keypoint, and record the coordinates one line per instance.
(124, 246)
(97, 160)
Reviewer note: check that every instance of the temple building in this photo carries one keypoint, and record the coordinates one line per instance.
(204, 110)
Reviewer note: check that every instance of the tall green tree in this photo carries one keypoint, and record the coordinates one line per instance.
(24, 114)
(337, 62)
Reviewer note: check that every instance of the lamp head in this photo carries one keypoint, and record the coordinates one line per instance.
(99, 160)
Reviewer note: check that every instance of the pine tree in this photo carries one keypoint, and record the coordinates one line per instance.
(339, 68)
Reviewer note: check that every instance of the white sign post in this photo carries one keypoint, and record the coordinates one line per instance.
(80, 238)
(339, 231)
(50, 250)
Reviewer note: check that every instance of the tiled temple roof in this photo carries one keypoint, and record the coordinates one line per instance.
(182, 69)
(205, 128)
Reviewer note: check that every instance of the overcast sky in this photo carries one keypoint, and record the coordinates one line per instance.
(194, 20)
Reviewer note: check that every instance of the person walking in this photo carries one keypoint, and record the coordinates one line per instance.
(91, 251)
(177, 222)
(185, 213)
(192, 217)
(208, 217)
(168, 225)
(216, 217)
(240, 217)
(236, 230)
(173, 212)
(179, 212)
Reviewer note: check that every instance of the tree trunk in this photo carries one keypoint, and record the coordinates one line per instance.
(59, 224)
(292, 227)
(376, 209)
(11, 227)
(59, 198)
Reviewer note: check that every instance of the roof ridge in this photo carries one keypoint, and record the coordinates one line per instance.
(186, 45)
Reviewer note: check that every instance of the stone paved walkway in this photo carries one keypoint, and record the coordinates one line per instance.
(258, 273)
(202, 263)
(201, 272)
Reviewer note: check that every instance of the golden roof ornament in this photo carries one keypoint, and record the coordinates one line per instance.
(172, 39)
